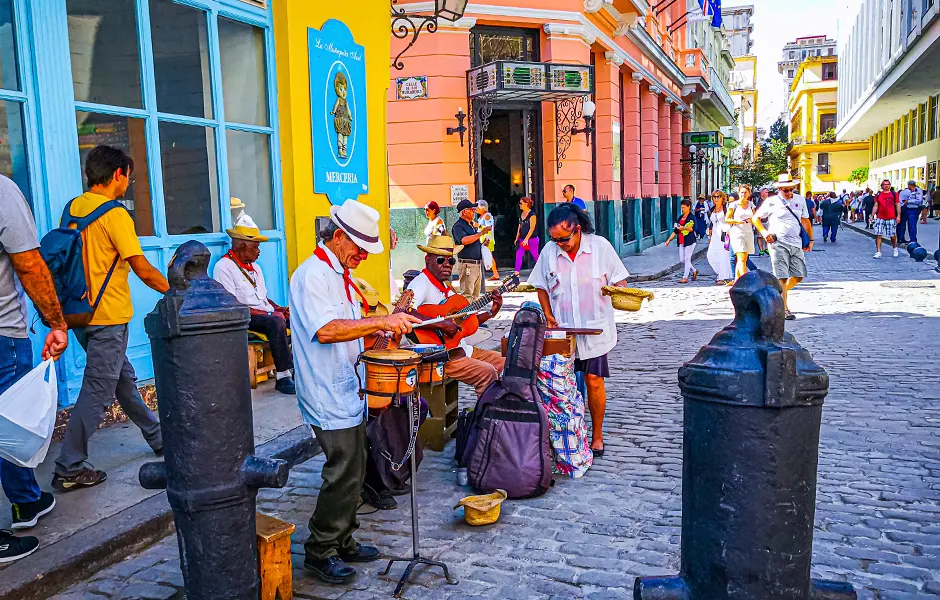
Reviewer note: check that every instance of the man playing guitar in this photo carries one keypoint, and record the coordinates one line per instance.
(477, 367)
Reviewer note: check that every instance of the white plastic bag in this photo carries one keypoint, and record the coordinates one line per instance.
(27, 416)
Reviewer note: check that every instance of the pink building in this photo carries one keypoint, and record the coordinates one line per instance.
(630, 58)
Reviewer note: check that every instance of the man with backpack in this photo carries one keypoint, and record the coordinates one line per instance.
(110, 249)
(23, 270)
(886, 217)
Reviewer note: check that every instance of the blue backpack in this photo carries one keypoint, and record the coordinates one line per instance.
(63, 251)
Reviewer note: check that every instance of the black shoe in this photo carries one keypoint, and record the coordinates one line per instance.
(286, 386)
(26, 514)
(330, 570)
(14, 548)
(86, 478)
(158, 452)
(382, 500)
(363, 555)
(790, 316)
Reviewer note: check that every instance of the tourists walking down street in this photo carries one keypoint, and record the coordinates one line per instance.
(23, 273)
(470, 258)
(567, 193)
(569, 275)
(527, 239)
(719, 243)
(741, 231)
(868, 205)
(700, 217)
(831, 209)
(787, 222)
(486, 221)
(684, 230)
(886, 217)
(112, 249)
(912, 199)
(328, 332)
(435, 225)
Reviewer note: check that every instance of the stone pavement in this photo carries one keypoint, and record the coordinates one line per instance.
(870, 323)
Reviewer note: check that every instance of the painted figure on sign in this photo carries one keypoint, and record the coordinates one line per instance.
(342, 117)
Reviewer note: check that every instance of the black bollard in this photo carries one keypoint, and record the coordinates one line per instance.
(752, 409)
(199, 337)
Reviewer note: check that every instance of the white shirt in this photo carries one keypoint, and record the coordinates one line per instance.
(574, 289)
(434, 228)
(248, 289)
(911, 198)
(427, 293)
(781, 223)
(325, 374)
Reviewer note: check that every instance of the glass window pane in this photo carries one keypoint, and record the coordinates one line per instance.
(104, 52)
(128, 134)
(9, 69)
(243, 74)
(181, 59)
(13, 146)
(249, 173)
(190, 181)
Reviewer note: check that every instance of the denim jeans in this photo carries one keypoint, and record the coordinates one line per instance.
(913, 214)
(16, 360)
(830, 230)
(734, 263)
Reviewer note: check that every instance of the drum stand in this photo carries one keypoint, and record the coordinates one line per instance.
(415, 559)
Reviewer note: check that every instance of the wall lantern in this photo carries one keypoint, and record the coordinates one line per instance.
(587, 111)
(460, 129)
(405, 25)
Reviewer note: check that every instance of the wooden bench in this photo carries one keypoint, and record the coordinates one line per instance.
(441, 424)
(260, 360)
(274, 560)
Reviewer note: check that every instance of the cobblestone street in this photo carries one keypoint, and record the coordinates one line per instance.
(873, 324)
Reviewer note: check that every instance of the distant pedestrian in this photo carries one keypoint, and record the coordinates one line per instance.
(935, 199)
(470, 258)
(912, 199)
(868, 205)
(527, 237)
(761, 242)
(23, 273)
(719, 243)
(700, 215)
(786, 216)
(741, 231)
(485, 220)
(111, 248)
(886, 217)
(684, 230)
(567, 193)
(831, 209)
(435, 225)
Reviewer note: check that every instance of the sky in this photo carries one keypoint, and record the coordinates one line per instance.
(777, 22)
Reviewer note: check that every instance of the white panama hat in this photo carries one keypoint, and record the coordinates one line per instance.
(360, 223)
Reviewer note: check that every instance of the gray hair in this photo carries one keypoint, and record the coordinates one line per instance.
(483, 204)
(326, 234)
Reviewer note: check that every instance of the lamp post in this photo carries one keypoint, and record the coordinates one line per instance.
(588, 111)
(695, 161)
(460, 129)
(405, 25)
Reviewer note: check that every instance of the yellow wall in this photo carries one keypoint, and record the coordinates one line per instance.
(369, 23)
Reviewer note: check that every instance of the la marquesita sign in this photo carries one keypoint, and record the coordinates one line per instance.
(339, 115)
(703, 139)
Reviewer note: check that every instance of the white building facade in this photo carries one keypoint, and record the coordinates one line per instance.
(743, 80)
(796, 52)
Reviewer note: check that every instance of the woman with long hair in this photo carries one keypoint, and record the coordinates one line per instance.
(527, 239)
(719, 248)
(435, 226)
(684, 230)
(741, 231)
(486, 221)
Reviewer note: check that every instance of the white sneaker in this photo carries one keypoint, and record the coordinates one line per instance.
(895, 253)
(877, 255)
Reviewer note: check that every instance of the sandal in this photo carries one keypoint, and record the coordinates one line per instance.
(599, 453)
(683, 280)
(695, 275)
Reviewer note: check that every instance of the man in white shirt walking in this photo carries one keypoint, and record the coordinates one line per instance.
(786, 214)
(239, 273)
(569, 275)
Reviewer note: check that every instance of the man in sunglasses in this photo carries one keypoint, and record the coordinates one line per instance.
(478, 368)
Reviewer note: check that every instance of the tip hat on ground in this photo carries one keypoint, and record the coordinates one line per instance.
(245, 229)
(785, 181)
(360, 223)
(236, 203)
(441, 245)
(465, 204)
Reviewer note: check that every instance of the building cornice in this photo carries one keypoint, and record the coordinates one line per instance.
(565, 29)
(613, 58)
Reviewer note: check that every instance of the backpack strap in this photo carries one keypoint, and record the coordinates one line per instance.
(82, 223)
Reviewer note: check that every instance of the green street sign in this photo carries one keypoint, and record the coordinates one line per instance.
(703, 139)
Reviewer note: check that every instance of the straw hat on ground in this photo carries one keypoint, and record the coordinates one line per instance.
(441, 245)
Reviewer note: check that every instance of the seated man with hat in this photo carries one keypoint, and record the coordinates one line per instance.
(239, 273)
(478, 368)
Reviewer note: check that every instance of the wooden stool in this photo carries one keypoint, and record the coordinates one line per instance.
(274, 560)
(260, 362)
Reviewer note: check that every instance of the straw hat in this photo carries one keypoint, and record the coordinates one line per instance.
(236, 203)
(482, 510)
(785, 181)
(244, 232)
(360, 223)
(626, 298)
(441, 245)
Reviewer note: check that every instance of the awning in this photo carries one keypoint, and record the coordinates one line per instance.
(507, 81)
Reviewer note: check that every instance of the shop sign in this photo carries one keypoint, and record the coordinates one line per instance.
(458, 193)
(703, 139)
(412, 88)
(340, 121)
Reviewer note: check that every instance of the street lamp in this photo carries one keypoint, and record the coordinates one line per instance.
(405, 25)
(460, 129)
(588, 110)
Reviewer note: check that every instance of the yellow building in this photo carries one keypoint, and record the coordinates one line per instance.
(822, 163)
(300, 134)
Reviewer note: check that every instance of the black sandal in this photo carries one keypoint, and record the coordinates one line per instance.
(598, 453)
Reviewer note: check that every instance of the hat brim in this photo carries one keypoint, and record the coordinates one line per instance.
(237, 235)
(788, 184)
(440, 251)
(376, 247)
(235, 206)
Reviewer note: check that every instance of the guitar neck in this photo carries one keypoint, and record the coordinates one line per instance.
(483, 300)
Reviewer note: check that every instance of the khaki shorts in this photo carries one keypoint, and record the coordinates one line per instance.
(787, 261)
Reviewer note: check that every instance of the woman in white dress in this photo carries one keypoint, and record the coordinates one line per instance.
(435, 226)
(719, 250)
(741, 231)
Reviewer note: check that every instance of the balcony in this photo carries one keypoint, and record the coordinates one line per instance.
(693, 63)
(822, 169)
(715, 100)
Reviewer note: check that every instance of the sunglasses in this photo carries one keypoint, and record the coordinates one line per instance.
(444, 260)
(567, 239)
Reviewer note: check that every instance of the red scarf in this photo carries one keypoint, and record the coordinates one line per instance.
(444, 289)
(347, 279)
(248, 267)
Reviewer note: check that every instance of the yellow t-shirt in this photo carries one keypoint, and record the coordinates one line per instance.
(110, 236)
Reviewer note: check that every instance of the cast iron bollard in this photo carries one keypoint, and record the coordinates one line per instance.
(198, 333)
(752, 409)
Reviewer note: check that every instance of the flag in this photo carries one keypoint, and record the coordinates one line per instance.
(716, 13)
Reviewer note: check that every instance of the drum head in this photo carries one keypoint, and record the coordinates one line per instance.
(391, 357)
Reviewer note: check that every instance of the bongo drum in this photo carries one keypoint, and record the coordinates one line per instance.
(390, 374)
(433, 357)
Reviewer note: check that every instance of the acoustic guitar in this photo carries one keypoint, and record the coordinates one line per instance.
(461, 310)
(402, 304)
